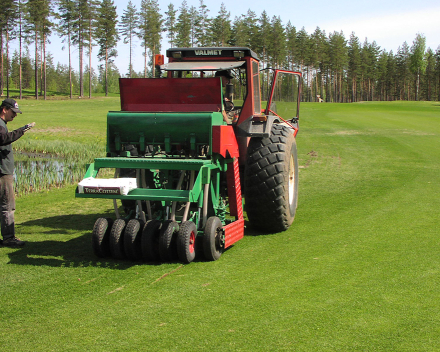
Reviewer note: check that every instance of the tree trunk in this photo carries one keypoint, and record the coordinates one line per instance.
(36, 64)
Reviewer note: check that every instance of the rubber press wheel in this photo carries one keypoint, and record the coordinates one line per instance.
(116, 239)
(150, 241)
(212, 248)
(167, 249)
(186, 242)
(101, 237)
(271, 188)
(132, 239)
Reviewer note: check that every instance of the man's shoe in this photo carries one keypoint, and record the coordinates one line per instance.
(13, 242)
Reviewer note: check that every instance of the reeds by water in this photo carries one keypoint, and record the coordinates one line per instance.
(41, 165)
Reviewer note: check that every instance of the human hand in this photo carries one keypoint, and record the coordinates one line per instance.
(28, 126)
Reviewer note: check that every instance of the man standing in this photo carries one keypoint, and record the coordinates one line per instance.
(8, 111)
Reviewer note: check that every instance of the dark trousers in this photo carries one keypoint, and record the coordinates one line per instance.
(7, 206)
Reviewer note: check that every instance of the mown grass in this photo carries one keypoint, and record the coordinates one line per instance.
(358, 270)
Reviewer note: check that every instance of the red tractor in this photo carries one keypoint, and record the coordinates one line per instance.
(189, 143)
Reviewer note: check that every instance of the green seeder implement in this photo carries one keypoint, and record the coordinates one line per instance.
(181, 152)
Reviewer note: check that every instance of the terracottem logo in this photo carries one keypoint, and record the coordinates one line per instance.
(101, 190)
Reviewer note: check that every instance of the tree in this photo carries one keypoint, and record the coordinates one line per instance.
(417, 62)
(338, 61)
(150, 30)
(239, 32)
(183, 26)
(221, 27)
(403, 71)
(354, 65)
(66, 10)
(369, 55)
(10, 13)
(203, 33)
(128, 29)
(194, 20)
(37, 15)
(107, 35)
(80, 35)
(91, 18)
(170, 23)
(277, 43)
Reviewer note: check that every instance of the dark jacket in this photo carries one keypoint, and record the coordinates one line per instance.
(6, 155)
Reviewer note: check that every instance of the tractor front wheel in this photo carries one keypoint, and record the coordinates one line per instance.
(271, 188)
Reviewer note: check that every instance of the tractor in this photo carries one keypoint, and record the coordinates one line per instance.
(190, 150)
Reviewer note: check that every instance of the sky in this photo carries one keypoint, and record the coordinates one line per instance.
(389, 23)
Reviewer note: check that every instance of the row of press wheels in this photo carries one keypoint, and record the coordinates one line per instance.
(156, 240)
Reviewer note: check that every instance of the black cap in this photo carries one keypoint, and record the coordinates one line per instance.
(11, 104)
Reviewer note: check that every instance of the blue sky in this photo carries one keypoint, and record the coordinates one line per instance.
(389, 23)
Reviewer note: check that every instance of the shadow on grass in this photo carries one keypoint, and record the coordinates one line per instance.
(75, 252)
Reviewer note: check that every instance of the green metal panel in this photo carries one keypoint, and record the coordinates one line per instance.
(166, 129)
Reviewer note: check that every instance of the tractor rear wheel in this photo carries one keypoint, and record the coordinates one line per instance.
(186, 242)
(132, 239)
(116, 239)
(150, 241)
(101, 237)
(271, 188)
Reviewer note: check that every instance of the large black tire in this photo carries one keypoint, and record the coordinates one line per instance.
(117, 239)
(271, 186)
(132, 239)
(167, 247)
(150, 241)
(186, 242)
(101, 237)
(212, 248)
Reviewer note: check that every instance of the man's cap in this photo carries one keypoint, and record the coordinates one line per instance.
(11, 104)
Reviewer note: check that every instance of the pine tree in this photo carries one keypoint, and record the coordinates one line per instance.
(417, 62)
(66, 10)
(251, 22)
(7, 24)
(150, 30)
(183, 26)
(429, 79)
(107, 35)
(194, 20)
(354, 64)
(170, 24)
(277, 43)
(338, 63)
(221, 27)
(128, 29)
(39, 25)
(403, 72)
(203, 34)
(239, 32)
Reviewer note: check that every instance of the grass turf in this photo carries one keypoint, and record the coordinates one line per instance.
(358, 269)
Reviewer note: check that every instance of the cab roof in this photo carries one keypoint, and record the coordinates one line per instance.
(211, 52)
